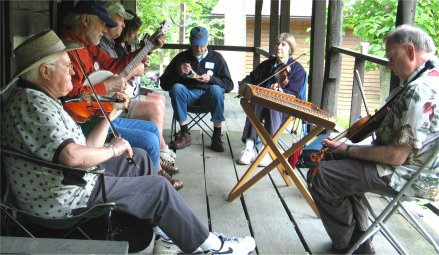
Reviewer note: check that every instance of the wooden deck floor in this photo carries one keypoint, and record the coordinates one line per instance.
(277, 216)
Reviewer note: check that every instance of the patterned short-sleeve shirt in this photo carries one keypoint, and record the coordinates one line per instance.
(36, 124)
(413, 119)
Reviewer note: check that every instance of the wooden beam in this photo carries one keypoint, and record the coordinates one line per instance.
(334, 37)
(285, 16)
(366, 57)
(257, 31)
(315, 79)
(405, 14)
(274, 24)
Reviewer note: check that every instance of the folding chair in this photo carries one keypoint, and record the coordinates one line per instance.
(196, 113)
(103, 221)
(12, 214)
(379, 220)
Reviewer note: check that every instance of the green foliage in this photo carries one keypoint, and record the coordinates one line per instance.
(371, 20)
(153, 12)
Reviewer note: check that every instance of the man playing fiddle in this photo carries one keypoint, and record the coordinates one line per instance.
(35, 123)
(405, 139)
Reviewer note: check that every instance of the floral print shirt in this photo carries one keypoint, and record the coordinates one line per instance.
(413, 119)
(36, 124)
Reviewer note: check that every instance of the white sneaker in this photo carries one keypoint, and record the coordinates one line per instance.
(266, 160)
(234, 245)
(162, 246)
(168, 156)
(247, 156)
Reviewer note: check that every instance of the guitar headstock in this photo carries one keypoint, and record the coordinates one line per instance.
(162, 30)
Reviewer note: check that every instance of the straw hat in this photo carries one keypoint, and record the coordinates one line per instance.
(36, 49)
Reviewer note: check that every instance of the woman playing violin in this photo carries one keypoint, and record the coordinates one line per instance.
(290, 80)
(405, 140)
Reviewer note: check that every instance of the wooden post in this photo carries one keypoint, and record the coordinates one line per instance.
(357, 99)
(182, 23)
(274, 24)
(285, 16)
(333, 59)
(257, 32)
(315, 77)
(405, 14)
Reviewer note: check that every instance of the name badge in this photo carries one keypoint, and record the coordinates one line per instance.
(209, 65)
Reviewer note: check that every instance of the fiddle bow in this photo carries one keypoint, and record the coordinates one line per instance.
(101, 107)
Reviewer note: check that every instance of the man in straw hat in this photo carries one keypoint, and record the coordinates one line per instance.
(34, 121)
(86, 24)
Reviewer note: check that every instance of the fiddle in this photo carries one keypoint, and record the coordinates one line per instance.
(282, 75)
(84, 107)
(280, 69)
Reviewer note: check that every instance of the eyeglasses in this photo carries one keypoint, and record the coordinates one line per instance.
(68, 67)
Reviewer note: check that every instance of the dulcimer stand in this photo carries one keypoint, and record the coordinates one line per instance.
(291, 106)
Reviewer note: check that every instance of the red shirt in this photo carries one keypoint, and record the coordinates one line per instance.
(93, 58)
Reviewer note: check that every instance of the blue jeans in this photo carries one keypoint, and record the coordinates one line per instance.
(181, 97)
(141, 134)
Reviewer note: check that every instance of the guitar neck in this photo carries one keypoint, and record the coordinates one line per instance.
(137, 60)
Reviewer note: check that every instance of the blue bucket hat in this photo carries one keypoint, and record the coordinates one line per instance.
(199, 36)
(94, 7)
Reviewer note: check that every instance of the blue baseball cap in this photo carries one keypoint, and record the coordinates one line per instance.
(94, 7)
(199, 36)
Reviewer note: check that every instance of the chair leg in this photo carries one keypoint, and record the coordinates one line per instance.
(22, 227)
(378, 224)
(173, 128)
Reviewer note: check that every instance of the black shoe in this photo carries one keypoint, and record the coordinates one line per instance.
(365, 248)
(217, 142)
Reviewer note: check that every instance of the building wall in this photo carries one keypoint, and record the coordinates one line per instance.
(299, 29)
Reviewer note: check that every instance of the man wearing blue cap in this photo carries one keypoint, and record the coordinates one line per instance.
(197, 76)
(87, 23)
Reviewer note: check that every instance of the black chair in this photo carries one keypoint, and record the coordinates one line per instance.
(103, 221)
(196, 113)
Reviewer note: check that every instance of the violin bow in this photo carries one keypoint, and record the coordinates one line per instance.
(112, 128)
(360, 86)
(280, 70)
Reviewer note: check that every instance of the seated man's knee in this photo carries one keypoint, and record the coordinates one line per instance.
(176, 89)
(217, 91)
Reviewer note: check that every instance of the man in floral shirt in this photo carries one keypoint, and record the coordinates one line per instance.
(405, 140)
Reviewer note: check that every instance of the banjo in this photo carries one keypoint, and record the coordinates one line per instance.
(132, 91)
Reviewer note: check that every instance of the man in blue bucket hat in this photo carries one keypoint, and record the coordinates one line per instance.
(198, 76)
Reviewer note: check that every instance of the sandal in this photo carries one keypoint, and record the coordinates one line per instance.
(169, 168)
(174, 182)
(168, 156)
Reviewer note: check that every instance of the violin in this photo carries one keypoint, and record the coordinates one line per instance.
(281, 69)
(282, 75)
(84, 107)
(363, 127)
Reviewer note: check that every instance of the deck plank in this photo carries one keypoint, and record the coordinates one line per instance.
(273, 230)
(190, 162)
(225, 217)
